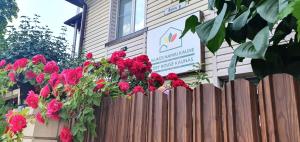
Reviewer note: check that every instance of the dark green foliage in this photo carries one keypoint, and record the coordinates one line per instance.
(250, 23)
(8, 11)
(32, 38)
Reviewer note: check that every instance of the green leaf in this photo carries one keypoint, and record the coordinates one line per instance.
(241, 20)
(286, 11)
(204, 29)
(232, 67)
(3, 125)
(215, 43)
(217, 23)
(210, 29)
(257, 48)
(270, 9)
(254, 26)
(284, 28)
(296, 13)
(190, 24)
(282, 4)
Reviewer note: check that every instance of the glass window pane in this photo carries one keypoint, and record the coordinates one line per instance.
(124, 20)
(125, 7)
(139, 15)
(124, 25)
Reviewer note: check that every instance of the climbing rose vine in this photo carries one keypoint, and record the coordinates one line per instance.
(73, 93)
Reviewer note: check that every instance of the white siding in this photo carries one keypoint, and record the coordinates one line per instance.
(97, 27)
(135, 46)
(100, 20)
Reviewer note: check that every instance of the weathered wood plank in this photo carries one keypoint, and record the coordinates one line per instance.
(281, 102)
(207, 118)
(158, 118)
(242, 109)
(182, 115)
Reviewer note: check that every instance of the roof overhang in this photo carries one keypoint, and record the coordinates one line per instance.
(74, 20)
(78, 3)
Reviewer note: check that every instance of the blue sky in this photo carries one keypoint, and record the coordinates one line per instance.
(53, 13)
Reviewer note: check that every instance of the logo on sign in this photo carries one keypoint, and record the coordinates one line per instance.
(170, 40)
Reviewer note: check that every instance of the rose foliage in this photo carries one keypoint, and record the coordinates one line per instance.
(73, 93)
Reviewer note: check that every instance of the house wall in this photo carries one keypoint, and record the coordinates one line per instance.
(100, 29)
(97, 27)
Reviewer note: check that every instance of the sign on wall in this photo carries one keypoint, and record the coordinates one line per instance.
(175, 7)
(170, 53)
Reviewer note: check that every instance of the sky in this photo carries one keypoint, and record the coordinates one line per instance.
(53, 13)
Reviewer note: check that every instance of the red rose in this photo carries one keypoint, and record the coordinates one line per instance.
(12, 76)
(100, 84)
(79, 71)
(156, 79)
(72, 76)
(151, 88)
(40, 78)
(138, 69)
(122, 53)
(124, 86)
(40, 118)
(32, 99)
(20, 63)
(142, 58)
(45, 91)
(54, 106)
(17, 123)
(66, 135)
(8, 67)
(30, 75)
(2, 63)
(39, 59)
(51, 67)
(87, 63)
(116, 56)
(121, 65)
(89, 55)
(138, 89)
(172, 76)
(128, 62)
(179, 82)
(54, 79)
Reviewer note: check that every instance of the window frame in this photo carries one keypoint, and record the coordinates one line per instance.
(133, 18)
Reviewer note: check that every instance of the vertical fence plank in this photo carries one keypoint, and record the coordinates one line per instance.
(139, 118)
(158, 118)
(198, 133)
(235, 114)
(243, 124)
(280, 100)
(182, 115)
(171, 116)
(224, 114)
(111, 121)
(207, 118)
(123, 119)
(265, 105)
(229, 95)
(102, 120)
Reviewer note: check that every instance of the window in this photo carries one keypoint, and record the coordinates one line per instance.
(131, 16)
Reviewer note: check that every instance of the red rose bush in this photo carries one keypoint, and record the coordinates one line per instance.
(73, 93)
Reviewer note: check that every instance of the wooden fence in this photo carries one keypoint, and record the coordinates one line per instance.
(239, 112)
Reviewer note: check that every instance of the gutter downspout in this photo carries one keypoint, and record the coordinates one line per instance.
(82, 28)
